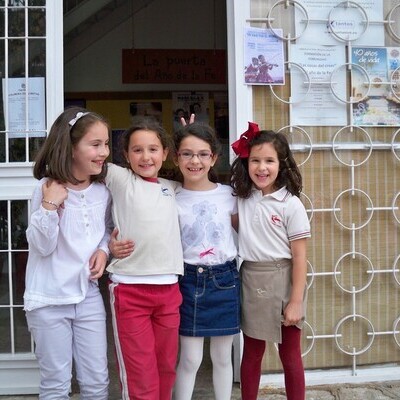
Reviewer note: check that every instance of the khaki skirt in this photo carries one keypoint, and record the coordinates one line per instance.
(266, 289)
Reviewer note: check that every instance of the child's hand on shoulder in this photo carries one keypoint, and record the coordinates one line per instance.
(54, 194)
(97, 264)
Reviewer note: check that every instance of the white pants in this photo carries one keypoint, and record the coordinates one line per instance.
(67, 333)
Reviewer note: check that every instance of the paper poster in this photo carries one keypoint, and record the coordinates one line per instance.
(319, 106)
(378, 108)
(144, 108)
(186, 103)
(19, 110)
(263, 57)
(345, 21)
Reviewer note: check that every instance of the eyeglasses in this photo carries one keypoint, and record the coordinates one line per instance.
(188, 155)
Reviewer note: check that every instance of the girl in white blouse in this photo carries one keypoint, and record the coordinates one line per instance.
(68, 233)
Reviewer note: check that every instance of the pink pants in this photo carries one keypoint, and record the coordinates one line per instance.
(290, 355)
(145, 323)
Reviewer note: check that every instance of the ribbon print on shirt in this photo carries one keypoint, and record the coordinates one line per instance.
(203, 233)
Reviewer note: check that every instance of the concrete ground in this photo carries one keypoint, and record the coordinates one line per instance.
(204, 391)
(370, 391)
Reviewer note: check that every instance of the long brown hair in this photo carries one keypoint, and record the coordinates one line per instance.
(54, 159)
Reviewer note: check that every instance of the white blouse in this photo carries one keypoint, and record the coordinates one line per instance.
(61, 243)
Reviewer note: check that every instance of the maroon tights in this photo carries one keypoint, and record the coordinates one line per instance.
(290, 355)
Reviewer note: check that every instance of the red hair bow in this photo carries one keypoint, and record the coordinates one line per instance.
(241, 146)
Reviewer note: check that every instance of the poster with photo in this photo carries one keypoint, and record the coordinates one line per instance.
(263, 57)
(144, 108)
(186, 103)
(347, 22)
(319, 106)
(378, 108)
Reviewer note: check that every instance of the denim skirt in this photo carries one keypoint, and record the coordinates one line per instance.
(211, 300)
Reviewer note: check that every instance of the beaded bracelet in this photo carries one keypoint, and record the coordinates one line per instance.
(51, 203)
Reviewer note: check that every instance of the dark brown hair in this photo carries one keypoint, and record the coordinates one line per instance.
(288, 175)
(54, 159)
(146, 123)
(205, 133)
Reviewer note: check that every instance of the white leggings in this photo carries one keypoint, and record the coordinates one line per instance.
(191, 356)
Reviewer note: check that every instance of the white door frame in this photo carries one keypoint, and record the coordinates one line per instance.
(19, 373)
(240, 104)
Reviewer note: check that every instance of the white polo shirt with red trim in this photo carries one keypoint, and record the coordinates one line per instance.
(267, 225)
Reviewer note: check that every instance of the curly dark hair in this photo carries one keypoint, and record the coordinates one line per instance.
(288, 175)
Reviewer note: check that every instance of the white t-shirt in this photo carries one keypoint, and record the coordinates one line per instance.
(61, 243)
(267, 225)
(205, 223)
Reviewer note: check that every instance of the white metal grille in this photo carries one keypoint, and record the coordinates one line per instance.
(351, 192)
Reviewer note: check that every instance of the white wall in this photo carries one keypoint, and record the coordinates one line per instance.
(163, 24)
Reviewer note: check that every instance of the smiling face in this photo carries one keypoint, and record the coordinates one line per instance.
(90, 153)
(194, 160)
(145, 153)
(264, 167)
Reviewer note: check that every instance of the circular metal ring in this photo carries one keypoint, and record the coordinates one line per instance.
(309, 284)
(307, 81)
(389, 18)
(345, 100)
(393, 140)
(303, 354)
(363, 131)
(392, 82)
(394, 206)
(369, 279)
(355, 228)
(285, 2)
(311, 205)
(347, 4)
(394, 269)
(290, 127)
(370, 341)
(395, 323)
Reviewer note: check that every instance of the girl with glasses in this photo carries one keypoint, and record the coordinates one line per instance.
(210, 286)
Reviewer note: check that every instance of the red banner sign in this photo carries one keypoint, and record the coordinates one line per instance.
(173, 66)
